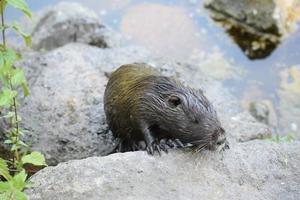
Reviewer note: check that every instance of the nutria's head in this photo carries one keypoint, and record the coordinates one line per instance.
(184, 113)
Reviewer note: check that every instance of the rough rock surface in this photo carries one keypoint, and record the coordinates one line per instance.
(251, 170)
(64, 112)
(71, 22)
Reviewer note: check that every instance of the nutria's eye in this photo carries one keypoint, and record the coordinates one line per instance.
(174, 101)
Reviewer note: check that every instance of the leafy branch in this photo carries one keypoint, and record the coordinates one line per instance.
(13, 176)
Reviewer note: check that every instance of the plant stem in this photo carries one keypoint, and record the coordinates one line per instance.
(13, 108)
(2, 22)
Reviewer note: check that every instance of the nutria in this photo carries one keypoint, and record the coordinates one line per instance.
(141, 105)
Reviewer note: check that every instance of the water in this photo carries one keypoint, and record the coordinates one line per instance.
(182, 29)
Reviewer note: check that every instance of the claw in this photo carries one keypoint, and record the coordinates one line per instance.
(171, 144)
(165, 149)
(227, 146)
(150, 150)
(179, 143)
(157, 148)
(134, 147)
(163, 141)
(163, 145)
(121, 146)
(175, 143)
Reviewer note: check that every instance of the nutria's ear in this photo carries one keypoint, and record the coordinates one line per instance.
(174, 101)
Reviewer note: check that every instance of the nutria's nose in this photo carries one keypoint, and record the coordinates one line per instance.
(222, 143)
(221, 140)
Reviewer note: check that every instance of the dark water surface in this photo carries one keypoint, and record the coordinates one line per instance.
(182, 29)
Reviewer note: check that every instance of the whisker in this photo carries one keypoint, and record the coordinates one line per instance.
(199, 142)
(198, 149)
(203, 147)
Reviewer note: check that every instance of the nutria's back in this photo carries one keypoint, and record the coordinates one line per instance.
(124, 90)
(142, 105)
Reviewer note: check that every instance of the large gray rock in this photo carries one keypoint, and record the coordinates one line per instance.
(71, 22)
(64, 113)
(251, 170)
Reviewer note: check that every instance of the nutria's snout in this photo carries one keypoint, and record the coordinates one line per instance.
(219, 141)
(222, 144)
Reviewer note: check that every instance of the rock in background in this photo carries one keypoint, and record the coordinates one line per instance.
(71, 22)
(256, 26)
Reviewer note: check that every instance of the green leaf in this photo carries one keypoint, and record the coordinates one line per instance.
(6, 196)
(20, 195)
(19, 180)
(9, 56)
(25, 88)
(12, 194)
(1, 59)
(8, 142)
(12, 189)
(23, 132)
(17, 77)
(3, 6)
(21, 143)
(14, 147)
(21, 5)
(35, 158)
(4, 170)
(26, 37)
(4, 186)
(9, 115)
(6, 97)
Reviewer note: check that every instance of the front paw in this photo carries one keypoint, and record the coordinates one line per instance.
(154, 146)
(175, 143)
